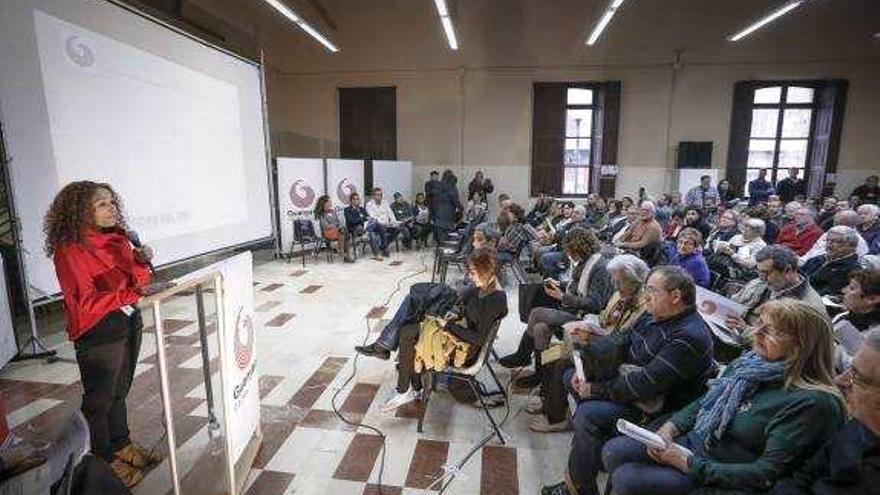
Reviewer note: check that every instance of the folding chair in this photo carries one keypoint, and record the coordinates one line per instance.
(304, 234)
(468, 375)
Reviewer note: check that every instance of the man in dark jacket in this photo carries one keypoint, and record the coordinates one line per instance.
(480, 187)
(829, 273)
(790, 186)
(760, 189)
(869, 192)
(850, 463)
(445, 205)
(430, 189)
(665, 366)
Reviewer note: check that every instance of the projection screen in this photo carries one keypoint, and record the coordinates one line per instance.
(92, 91)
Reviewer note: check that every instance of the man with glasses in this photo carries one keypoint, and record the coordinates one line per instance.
(828, 272)
(850, 462)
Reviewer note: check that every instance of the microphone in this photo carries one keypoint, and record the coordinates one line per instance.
(135, 240)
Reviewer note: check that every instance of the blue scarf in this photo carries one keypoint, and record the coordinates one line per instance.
(720, 404)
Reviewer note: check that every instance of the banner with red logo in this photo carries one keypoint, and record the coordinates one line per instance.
(239, 352)
(343, 178)
(300, 184)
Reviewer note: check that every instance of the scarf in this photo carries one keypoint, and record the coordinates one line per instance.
(726, 393)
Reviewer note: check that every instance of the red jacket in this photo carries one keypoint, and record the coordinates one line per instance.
(799, 242)
(98, 276)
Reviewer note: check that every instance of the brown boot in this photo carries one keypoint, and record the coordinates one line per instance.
(127, 474)
(138, 456)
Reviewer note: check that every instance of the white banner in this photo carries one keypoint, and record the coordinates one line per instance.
(343, 178)
(8, 349)
(239, 352)
(300, 184)
(394, 176)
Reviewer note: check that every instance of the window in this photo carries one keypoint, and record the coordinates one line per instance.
(578, 141)
(574, 132)
(778, 125)
(780, 134)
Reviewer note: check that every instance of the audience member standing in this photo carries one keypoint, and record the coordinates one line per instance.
(760, 189)
(431, 188)
(790, 186)
(869, 192)
(446, 206)
(480, 187)
(702, 196)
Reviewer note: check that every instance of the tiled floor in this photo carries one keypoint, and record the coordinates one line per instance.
(308, 322)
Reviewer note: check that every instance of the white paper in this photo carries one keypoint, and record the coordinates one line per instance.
(644, 436)
(715, 307)
(578, 366)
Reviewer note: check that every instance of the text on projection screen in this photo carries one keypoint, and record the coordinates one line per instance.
(167, 137)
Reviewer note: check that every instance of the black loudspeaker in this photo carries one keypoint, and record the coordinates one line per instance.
(694, 154)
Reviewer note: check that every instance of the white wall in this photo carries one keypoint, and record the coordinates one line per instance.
(481, 118)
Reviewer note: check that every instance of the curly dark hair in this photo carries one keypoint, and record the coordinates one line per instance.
(319, 205)
(581, 242)
(71, 212)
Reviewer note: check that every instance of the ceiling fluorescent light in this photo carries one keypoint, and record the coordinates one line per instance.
(441, 8)
(603, 21)
(290, 14)
(776, 14)
(450, 32)
(446, 20)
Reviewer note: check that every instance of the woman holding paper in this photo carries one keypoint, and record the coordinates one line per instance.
(102, 278)
(759, 420)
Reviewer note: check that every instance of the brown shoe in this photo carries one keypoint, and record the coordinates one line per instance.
(138, 456)
(127, 474)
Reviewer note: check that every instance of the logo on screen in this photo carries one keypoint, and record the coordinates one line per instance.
(244, 339)
(79, 51)
(301, 194)
(345, 189)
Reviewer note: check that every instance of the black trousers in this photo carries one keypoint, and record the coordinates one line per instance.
(107, 356)
(406, 359)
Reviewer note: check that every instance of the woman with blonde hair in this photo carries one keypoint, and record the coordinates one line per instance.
(758, 421)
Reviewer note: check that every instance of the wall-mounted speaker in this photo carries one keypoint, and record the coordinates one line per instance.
(694, 154)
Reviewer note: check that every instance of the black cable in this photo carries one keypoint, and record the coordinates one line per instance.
(354, 372)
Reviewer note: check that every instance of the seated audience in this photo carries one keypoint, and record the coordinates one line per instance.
(357, 222)
(758, 422)
(801, 233)
(403, 214)
(514, 235)
(847, 218)
(849, 463)
(421, 226)
(735, 260)
(689, 256)
(625, 310)
(551, 259)
(693, 218)
(828, 273)
(644, 231)
(778, 277)
(587, 292)
(467, 321)
(331, 227)
(869, 226)
(654, 369)
(861, 299)
(726, 227)
(674, 224)
(825, 216)
(540, 210)
(382, 221)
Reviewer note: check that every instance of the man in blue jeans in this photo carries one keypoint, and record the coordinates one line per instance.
(667, 362)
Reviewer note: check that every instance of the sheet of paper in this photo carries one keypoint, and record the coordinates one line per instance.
(644, 436)
(579, 366)
(715, 307)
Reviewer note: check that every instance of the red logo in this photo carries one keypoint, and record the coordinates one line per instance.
(244, 339)
(345, 189)
(301, 194)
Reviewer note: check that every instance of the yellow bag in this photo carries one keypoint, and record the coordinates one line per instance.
(436, 347)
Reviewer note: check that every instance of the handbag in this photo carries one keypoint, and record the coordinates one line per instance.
(331, 233)
(532, 296)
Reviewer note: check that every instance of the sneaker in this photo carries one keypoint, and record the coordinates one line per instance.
(535, 405)
(138, 456)
(127, 474)
(557, 489)
(400, 399)
(539, 424)
(373, 350)
(528, 381)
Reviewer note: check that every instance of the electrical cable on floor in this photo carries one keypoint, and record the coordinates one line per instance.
(354, 372)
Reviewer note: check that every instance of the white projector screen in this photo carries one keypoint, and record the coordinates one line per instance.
(92, 91)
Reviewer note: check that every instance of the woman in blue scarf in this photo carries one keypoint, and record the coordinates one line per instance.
(766, 413)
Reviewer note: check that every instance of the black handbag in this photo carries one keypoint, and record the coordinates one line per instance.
(532, 296)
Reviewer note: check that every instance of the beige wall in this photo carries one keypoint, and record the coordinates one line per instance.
(469, 119)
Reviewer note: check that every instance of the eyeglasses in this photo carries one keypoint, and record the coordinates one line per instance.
(767, 332)
(853, 376)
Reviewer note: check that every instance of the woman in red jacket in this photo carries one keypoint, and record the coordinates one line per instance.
(101, 277)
